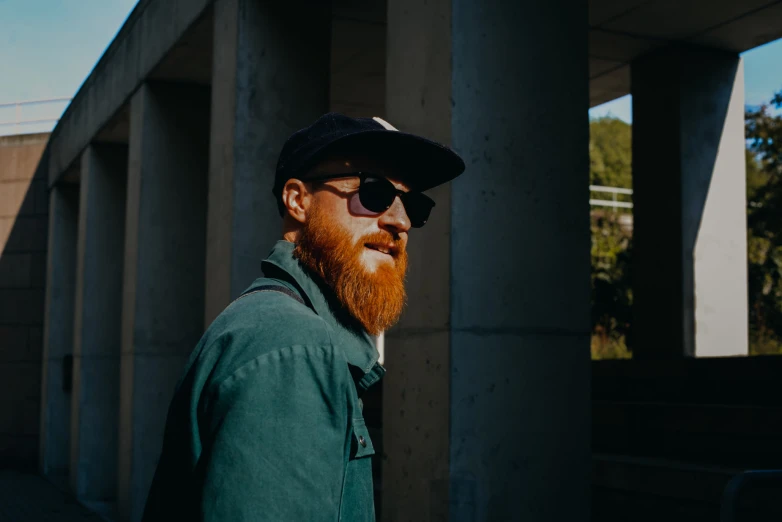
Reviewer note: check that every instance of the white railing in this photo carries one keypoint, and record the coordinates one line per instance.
(22, 121)
(613, 202)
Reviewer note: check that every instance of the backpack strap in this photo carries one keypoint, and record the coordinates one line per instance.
(272, 288)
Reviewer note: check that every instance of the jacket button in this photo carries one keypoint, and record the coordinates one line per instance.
(362, 441)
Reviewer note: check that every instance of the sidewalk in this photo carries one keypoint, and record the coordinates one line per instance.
(27, 497)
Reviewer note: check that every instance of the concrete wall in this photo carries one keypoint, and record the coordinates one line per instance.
(358, 58)
(24, 208)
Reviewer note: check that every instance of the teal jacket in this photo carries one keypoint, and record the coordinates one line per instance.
(266, 423)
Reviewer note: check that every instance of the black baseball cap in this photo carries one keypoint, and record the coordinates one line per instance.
(426, 163)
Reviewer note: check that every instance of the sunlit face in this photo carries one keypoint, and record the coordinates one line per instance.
(360, 254)
(338, 199)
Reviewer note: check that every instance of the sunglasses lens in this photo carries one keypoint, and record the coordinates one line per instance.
(418, 208)
(376, 195)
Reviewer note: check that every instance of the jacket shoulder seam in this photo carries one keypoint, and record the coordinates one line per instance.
(209, 395)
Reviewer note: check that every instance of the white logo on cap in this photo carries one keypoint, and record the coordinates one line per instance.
(385, 124)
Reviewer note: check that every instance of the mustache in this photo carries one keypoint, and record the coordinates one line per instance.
(386, 240)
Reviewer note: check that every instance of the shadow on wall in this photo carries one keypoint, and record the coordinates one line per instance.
(24, 208)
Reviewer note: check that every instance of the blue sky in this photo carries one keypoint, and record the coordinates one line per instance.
(48, 47)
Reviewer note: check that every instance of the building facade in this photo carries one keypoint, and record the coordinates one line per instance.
(160, 211)
(24, 208)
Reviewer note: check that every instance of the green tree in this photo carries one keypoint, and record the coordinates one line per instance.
(764, 222)
(610, 156)
(610, 152)
(612, 296)
(610, 165)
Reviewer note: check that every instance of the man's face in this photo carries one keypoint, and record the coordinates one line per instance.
(360, 254)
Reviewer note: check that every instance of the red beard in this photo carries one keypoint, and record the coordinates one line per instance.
(374, 299)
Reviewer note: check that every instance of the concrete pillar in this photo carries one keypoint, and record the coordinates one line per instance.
(97, 320)
(487, 395)
(689, 179)
(358, 58)
(416, 409)
(58, 331)
(270, 78)
(163, 286)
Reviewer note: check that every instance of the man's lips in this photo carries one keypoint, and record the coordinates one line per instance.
(383, 248)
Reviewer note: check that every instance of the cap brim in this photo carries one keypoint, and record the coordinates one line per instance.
(423, 163)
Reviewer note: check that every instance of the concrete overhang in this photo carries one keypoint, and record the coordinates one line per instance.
(151, 31)
(172, 40)
(623, 30)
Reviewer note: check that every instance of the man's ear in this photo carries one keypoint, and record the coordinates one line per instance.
(297, 199)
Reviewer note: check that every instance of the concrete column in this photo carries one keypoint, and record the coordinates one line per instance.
(98, 312)
(689, 179)
(487, 396)
(416, 409)
(270, 78)
(358, 58)
(58, 331)
(163, 286)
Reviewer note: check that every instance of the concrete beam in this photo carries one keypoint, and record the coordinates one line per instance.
(98, 311)
(163, 287)
(149, 33)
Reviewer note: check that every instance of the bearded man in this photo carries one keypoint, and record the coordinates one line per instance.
(267, 423)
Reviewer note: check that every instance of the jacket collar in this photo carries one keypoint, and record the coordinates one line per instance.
(351, 338)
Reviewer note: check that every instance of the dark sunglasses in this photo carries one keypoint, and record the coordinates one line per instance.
(377, 194)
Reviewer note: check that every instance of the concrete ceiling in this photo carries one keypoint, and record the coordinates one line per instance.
(117, 130)
(190, 60)
(622, 30)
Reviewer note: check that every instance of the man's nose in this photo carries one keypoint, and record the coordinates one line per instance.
(395, 219)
